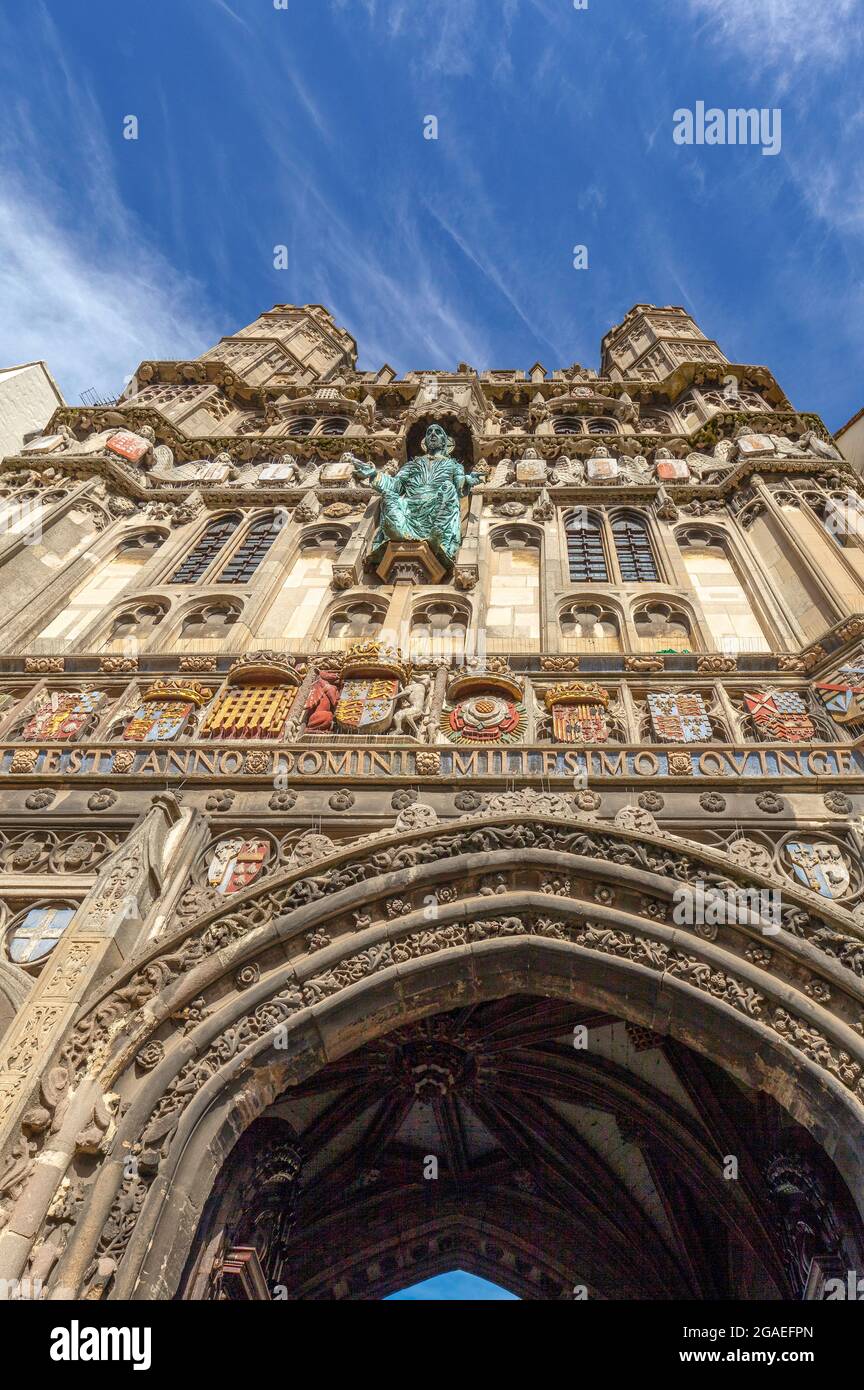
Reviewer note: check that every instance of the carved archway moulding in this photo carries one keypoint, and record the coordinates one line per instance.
(202, 1034)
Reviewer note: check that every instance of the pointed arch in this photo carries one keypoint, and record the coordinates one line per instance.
(619, 950)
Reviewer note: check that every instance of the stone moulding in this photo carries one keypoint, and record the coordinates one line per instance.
(212, 1039)
(347, 872)
(167, 1116)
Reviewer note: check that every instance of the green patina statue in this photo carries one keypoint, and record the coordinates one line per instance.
(421, 503)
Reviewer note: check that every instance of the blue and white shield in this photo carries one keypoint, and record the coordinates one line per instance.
(820, 867)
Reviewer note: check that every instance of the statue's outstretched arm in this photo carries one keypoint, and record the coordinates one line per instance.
(382, 482)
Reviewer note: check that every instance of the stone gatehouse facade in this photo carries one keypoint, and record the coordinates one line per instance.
(430, 829)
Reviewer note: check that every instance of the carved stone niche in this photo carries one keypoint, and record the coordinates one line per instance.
(241, 1277)
(241, 1243)
(410, 562)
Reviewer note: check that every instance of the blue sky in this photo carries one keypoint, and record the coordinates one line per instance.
(303, 126)
(455, 1287)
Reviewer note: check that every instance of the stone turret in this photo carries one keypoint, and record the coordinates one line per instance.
(650, 342)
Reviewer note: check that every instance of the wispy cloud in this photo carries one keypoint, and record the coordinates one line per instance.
(92, 313)
(784, 35)
(89, 294)
(226, 9)
(451, 38)
(794, 47)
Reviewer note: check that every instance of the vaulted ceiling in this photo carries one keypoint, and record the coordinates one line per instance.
(543, 1147)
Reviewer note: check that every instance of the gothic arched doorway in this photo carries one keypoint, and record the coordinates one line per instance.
(470, 951)
(550, 1149)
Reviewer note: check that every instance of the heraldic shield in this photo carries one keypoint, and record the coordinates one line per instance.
(679, 718)
(578, 712)
(821, 868)
(844, 696)
(235, 863)
(152, 722)
(163, 711)
(63, 717)
(781, 715)
(367, 706)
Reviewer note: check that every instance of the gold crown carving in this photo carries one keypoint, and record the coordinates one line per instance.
(191, 691)
(264, 668)
(373, 659)
(577, 693)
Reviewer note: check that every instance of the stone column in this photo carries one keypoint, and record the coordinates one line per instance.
(110, 923)
(348, 569)
(822, 580)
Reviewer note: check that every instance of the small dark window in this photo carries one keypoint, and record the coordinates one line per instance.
(634, 552)
(585, 552)
(303, 425)
(248, 556)
(204, 553)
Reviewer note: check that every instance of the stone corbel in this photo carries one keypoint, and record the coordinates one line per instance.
(308, 509)
(346, 576)
(466, 576)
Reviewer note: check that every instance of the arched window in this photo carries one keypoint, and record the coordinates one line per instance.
(842, 516)
(591, 627)
(306, 587)
(655, 422)
(568, 424)
(334, 425)
(661, 625)
(513, 611)
(248, 556)
(304, 424)
(361, 619)
(602, 427)
(439, 628)
(103, 586)
(585, 553)
(633, 548)
(722, 593)
(138, 622)
(209, 622)
(202, 555)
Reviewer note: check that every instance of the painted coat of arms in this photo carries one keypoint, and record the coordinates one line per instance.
(673, 470)
(38, 933)
(821, 868)
(679, 718)
(484, 719)
(844, 696)
(367, 706)
(578, 712)
(780, 715)
(235, 863)
(484, 709)
(256, 699)
(164, 709)
(63, 716)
